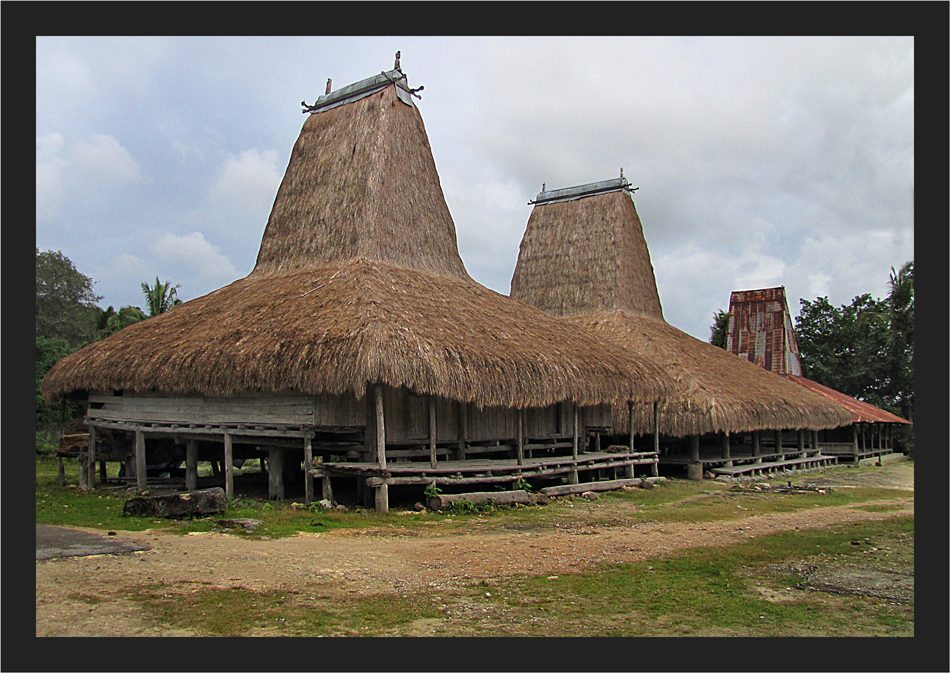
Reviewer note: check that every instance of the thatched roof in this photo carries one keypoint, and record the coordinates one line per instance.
(359, 281)
(586, 259)
(608, 266)
(716, 391)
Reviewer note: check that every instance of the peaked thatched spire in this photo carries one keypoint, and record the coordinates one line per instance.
(608, 267)
(585, 258)
(361, 183)
(359, 281)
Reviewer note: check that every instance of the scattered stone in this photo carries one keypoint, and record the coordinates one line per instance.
(419, 507)
(174, 505)
(646, 484)
(589, 495)
(246, 524)
(325, 504)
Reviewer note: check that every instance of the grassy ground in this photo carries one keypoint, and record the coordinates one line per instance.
(761, 587)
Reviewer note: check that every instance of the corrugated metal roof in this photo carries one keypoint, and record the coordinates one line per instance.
(760, 330)
(580, 191)
(861, 412)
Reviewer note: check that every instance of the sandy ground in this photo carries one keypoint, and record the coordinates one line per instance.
(83, 595)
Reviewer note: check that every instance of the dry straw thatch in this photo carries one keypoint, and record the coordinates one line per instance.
(358, 281)
(587, 260)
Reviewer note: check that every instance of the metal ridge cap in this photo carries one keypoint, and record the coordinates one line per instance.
(580, 191)
(363, 88)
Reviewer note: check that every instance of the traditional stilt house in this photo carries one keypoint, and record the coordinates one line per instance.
(584, 257)
(358, 350)
(760, 331)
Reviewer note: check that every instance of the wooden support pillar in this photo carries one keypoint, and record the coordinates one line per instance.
(191, 465)
(60, 471)
(726, 449)
(778, 441)
(756, 446)
(854, 439)
(463, 429)
(380, 428)
(656, 438)
(630, 431)
(814, 440)
(140, 469)
(432, 432)
(521, 436)
(103, 472)
(275, 474)
(307, 465)
(801, 443)
(91, 460)
(228, 466)
(694, 469)
(327, 485)
(382, 498)
(575, 423)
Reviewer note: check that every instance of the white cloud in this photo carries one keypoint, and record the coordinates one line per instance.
(195, 254)
(80, 171)
(248, 182)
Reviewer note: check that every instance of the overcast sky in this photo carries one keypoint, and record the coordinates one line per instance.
(760, 161)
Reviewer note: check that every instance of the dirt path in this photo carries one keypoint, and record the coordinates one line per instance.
(82, 596)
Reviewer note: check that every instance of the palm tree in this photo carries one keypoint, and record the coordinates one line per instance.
(160, 298)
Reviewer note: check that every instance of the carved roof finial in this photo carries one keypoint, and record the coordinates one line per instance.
(397, 66)
(329, 85)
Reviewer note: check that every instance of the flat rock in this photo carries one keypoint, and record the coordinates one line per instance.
(174, 505)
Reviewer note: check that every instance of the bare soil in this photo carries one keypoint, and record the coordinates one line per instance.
(85, 596)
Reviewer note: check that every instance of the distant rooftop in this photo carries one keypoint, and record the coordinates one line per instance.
(581, 191)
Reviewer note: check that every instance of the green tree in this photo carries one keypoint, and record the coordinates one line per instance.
(719, 335)
(49, 351)
(111, 321)
(65, 301)
(161, 297)
(840, 349)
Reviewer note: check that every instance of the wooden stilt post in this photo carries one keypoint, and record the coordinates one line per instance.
(307, 465)
(60, 471)
(91, 460)
(726, 449)
(854, 439)
(382, 491)
(228, 465)
(814, 440)
(575, 423)
(801, 443)
(140, 469)
(630, 430)
(191, 465)
(655, 468)
(463, 429)
(432, 432)
(778, 441)
(756, 446)
(694, 469)
(328, 488)
(275, 474)
(521, 436)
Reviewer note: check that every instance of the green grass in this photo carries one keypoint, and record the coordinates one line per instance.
(698, 592)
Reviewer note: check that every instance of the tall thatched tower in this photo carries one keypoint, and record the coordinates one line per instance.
(358, 337)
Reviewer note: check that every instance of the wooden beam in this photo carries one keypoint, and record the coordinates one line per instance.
(275, 474)
(630, 422)
(521, 436)
(140, 468)
(382, 498)
(463, 429)
(228, 466)
(191, 465)
(380, 430)
(91, 460)
(307, 464)
(432, 430)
